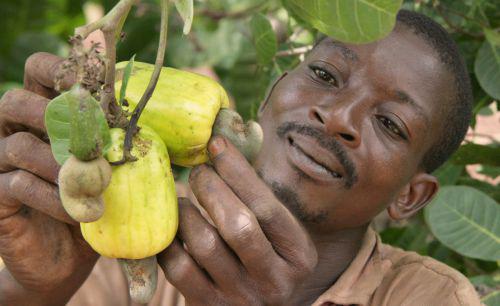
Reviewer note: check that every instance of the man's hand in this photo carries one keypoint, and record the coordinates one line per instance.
(256, 253)
(42, 247)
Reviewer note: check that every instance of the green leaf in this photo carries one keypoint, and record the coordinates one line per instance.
(411, 237)
(352, 21)
(126, 76)
(4, 87)
(492, 191)
(487, 280)
(472, 153)
(224, 46)
(121, 22)
(487, 64)
(492, 298)
(486, 285)
(185, 9)
(448, 173)
(467, 221)
(85, 141)
(492, 36)
(58, 124)
(263, 38)
(490, 171)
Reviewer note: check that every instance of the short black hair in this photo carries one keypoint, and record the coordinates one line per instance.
(459, 111)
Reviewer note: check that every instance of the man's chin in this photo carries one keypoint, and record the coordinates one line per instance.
(292, 202)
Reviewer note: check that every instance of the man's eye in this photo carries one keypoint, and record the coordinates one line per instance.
(325, 76)
(392, 127)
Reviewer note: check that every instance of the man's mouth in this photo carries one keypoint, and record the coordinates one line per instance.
(315, 162)
(317, 155)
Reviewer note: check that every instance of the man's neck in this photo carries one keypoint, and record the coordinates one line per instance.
(335, 252)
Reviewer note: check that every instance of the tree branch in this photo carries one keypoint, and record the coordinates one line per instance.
(111, 25)
(160, 55)
(294, 51)
(454, 27)
(216, 15)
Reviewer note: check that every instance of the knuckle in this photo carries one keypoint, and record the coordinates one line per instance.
(183, 201)
(208, 245)
(179, 270)
(33, 61)
(185, 206)
(243, 228)
(305, 266)
(211, 299)
(8, 95)
(7, 99)
(20, 181)
(200, 179)
(250, 196)
(278, 291)
(17, 145)
(196, 173)
(267, 213)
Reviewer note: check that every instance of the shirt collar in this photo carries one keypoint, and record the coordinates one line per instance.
(359, 281)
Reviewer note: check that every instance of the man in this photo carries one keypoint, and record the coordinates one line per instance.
(353, 130)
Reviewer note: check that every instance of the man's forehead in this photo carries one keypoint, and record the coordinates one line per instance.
(401, 41)
(347, 52)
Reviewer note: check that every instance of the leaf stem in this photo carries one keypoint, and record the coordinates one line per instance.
(108, 92)
(110, 20)
(160, 55)
(441, 11)
(111, 25)
(294, 51)
(214, 15)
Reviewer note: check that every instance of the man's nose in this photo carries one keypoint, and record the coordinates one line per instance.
(339, 121)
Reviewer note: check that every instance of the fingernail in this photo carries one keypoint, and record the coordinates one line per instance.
(216, 146)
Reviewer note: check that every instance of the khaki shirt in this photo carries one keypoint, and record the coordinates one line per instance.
(380, 275)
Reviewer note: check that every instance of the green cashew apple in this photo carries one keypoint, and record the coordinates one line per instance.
(140, 217)
(186, 109)
(182, 109)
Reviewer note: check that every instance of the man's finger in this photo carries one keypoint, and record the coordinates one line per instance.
(206, 246)
(21, 187)
(40, 73)
(23, 150)
(184, 274)
(235, 222)
(286, 234)
(22, 110)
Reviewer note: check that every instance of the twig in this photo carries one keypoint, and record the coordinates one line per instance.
(110, 20)
(454, 27)
(295, 51)
(132, 127)
(111, 25)
(108, 90)
(195, 41)
(460, 15)
(471, 266)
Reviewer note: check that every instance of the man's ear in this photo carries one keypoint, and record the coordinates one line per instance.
(264, 104)
(414, 196)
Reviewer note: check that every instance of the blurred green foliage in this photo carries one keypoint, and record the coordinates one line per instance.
(234, 37)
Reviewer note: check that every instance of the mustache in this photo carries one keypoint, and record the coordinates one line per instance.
(327, 142)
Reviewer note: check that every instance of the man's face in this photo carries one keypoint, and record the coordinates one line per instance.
(346, 130)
